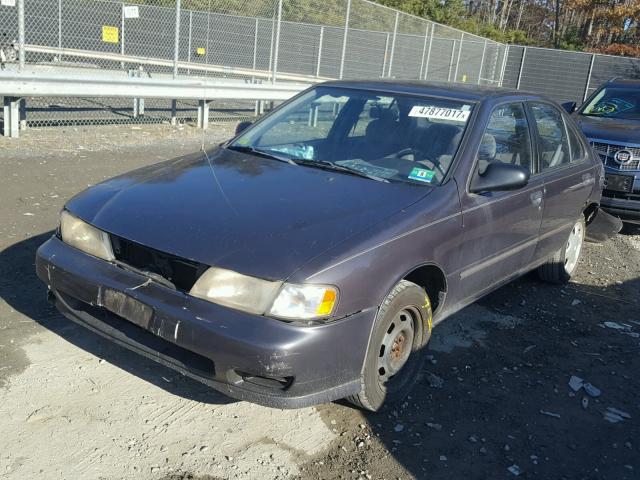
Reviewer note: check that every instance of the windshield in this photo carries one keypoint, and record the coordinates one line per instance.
(615, 102)
(388, 137)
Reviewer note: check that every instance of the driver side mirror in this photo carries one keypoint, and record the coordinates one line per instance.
(570, 107)
(499, 176)
(242, 126)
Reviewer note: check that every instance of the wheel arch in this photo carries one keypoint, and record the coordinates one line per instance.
(589, 212)
(432, 278)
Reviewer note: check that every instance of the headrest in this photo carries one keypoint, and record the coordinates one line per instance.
(488, 147)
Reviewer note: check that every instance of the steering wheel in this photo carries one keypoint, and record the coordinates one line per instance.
(430, 164)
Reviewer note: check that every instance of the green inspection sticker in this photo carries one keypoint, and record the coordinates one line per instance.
(422, 175)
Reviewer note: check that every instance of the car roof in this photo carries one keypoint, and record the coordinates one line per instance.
(624, 82)
(462, 91)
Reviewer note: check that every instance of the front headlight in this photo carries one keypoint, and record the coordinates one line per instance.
(260, 297)
(235, 290)
(304, 302)
(85, 237)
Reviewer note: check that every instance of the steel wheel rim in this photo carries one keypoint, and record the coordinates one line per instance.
(396, 346)
(574, 247)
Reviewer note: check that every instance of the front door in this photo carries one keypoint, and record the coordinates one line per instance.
(501, 228)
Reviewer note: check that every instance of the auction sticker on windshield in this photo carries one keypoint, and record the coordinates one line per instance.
(440, 113)
(422, 175)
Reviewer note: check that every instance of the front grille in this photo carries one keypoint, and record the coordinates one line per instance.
(178, 272)
(607, 152)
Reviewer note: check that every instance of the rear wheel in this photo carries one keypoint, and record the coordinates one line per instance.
(395, 357)
(561, 267)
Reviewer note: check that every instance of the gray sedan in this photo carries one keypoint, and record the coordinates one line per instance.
(309, 258)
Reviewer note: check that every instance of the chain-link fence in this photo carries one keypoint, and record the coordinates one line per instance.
(263, 40)
(563, 75)
(334, 39)
(271, 41)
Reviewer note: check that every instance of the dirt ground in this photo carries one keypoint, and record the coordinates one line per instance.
(493, 401)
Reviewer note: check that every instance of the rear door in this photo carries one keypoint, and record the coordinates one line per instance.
(501, 228)
(566, 171)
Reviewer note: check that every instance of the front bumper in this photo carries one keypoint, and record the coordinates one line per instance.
(626, 209)
(248, 357)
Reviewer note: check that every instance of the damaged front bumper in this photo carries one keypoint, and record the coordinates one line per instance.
(248, 357)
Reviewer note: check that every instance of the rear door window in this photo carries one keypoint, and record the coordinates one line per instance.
(553, 138)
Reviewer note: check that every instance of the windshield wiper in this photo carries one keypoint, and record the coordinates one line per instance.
(326, 165)
(261, 153)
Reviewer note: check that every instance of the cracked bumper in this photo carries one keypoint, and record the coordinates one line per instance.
(248, 357)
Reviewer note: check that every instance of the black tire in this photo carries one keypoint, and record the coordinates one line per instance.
(556, 270)
(407, 302)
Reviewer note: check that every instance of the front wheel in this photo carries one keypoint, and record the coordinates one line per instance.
(561, 267)
(394, 357)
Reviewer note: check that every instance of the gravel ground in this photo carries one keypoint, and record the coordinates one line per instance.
(493, 402)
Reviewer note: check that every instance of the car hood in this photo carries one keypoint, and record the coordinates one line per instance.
(253, 215)
(610, 129)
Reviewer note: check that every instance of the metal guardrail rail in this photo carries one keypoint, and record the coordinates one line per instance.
(158, 62)
(16, 87)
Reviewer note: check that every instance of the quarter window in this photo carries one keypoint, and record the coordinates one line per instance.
(577, 150)
(554, 142)
(506, 138)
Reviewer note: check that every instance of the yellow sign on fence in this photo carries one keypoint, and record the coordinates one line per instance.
(201, 51)
(110, 34)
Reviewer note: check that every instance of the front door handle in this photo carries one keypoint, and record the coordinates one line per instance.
(536, 199)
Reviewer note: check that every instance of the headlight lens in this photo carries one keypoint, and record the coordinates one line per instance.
(85, 237)
(260, 297)
(235, 290)
(304, 302)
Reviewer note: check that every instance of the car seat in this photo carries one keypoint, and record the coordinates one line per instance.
(381, 136)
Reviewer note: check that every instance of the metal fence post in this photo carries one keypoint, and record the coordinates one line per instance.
(255, 62)
(176, 50)
(21, 52)
(455, 75)
(384, 58)
(255, 46)
(424, 51)
(393, 43)
(426, 67)
(189, 41)
(273, 30)
(122, 33)
(505, 57)
(344, 38)
(586, 89)
(60, 25)
(524, 55)
(320, 42)
(484, 52)
(453, 54)
(277, 44)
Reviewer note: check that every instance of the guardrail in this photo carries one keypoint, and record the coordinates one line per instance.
(16, 87)
(158, 62)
